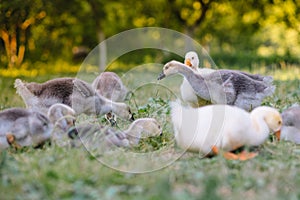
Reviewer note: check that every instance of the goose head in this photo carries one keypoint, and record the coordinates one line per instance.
(291, 122)
(123, 111)
(274, 120)
(271, 117)
(191, 59)
(169, 69)
(62, 116)
(143, 127)
(33, 129)
(40, 128)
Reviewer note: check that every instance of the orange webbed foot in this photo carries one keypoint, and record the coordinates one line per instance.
(243, 156)
(247, 155)
(215, 150)
(230, 156)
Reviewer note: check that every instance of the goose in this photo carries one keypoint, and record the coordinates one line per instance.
(143, 127)
(212, 128)
(63, 118)
(290, 130)
(192, 60)
(188, 94)
(110, 86)
(70, 91)
(222, 86)
(21, 127)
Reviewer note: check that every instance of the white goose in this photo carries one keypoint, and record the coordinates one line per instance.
(290, 130)
(93, 133)
(70, 91)
(21, 127)
(211, 128)
(222, 86)
(187, 92)
(110, 86)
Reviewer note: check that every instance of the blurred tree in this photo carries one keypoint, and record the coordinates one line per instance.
(190, 13)
(49, 30)
(279, 31)
(99, 15)
(66, 28)
(16, 19)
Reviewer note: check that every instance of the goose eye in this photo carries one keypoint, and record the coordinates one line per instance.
(279, 122)
(167, 67)
(192, 58)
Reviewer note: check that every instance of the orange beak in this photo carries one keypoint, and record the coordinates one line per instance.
(188, 62)
(277, 135)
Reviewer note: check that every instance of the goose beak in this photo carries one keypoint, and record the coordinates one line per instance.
(161, 76)
(188, 62)
(73, 133)
(277, 135)
(132, 117)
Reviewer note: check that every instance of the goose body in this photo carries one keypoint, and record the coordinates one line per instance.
(23, 127)
(109, 85)
(70, 91)
(222, 126)
(222, 86)
(143, 127)
(290, 130)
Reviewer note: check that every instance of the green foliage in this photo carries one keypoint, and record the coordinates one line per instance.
(264, 30)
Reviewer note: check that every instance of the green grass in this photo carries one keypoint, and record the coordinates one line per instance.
(73, 173)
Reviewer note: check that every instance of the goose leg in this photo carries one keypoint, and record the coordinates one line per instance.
(227, 155)
(232, 156)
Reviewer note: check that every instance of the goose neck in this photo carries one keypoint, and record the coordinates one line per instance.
(261, 129)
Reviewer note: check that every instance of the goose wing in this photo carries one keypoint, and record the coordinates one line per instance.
(291, 117)
(249, 92)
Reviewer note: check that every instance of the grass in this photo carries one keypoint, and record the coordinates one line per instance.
(73, 173)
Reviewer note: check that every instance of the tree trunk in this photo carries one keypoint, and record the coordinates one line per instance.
(14, 56)
(102, 51)
(14, 52)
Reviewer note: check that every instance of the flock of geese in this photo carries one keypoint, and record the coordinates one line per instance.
(219, 111)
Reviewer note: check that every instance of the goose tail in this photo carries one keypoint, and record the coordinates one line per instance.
(268, 80)
(21, 89)
(269, 87)
(269, 90)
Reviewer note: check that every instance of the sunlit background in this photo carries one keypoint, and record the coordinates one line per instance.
(52, 37)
